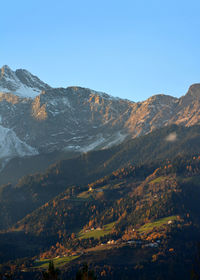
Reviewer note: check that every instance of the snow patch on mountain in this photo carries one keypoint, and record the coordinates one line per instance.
(25, 91)
(99, 143)
(11, 146)
(86, 148)
(118, 139)
(22, 91)
(105, 95)
(93, 145)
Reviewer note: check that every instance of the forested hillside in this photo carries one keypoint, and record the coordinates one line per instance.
(149, 210)
(34, 190)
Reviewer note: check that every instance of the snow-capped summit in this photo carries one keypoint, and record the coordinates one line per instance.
(77, 119)
(20, 82)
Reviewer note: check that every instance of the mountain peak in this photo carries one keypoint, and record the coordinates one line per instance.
(20, 82)
(161, 99)
(194, 91)
(6, 70)
(31, 80)
(5, 67)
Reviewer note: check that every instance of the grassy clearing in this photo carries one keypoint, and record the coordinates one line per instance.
(58, 262)
(97, 191)
(158, 180)
(85, 195)
(91, 194)
(158, 223)
(96, 233)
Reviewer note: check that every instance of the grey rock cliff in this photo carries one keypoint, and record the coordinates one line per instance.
(80, 119)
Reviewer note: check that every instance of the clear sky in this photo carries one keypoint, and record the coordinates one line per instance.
(131, 49)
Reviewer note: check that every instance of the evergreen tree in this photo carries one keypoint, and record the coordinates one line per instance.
(85, 274)
(51, 274)
(195, 273)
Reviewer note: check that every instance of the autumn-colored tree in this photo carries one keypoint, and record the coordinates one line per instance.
(73, 235)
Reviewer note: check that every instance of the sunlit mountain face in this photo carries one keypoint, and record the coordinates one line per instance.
(87, 177)
(77, 119)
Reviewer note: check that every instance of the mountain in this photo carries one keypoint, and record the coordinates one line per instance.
(11, 145)
(20, 82)
(140, 220)
(130, 196)
(76, 120)
(121, 190)
(32, 191)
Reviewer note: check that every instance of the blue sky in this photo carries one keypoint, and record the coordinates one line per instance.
(131, 49)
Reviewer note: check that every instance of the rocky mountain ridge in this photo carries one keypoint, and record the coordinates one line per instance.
(80, 119)
(20, 82)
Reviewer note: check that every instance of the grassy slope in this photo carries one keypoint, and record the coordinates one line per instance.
(96, 233)
(58, 262)
(32, 192)
(156, 224)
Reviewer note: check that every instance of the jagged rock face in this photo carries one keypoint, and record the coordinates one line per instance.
(73, 118)
(188, 110)
(81, 119)
(153, 113)
(20, 82)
